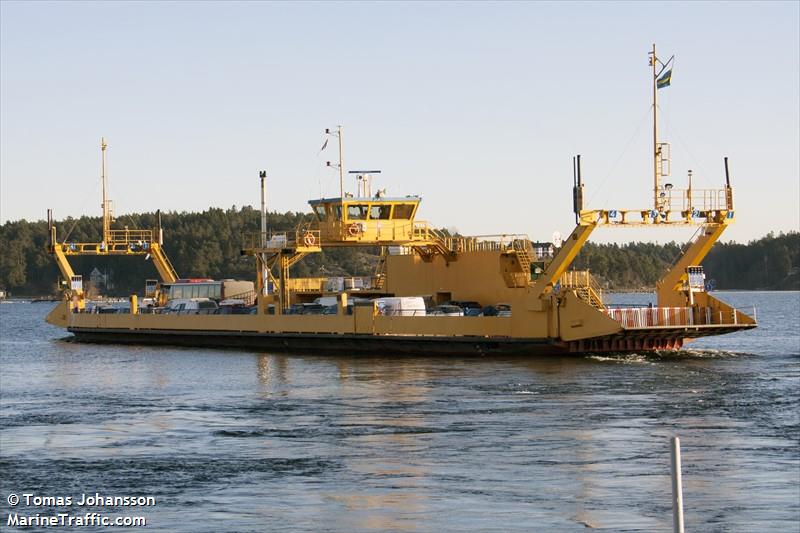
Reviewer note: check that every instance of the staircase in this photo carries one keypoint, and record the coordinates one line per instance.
(438, 244)
(379, 279)
(588, 295)
(524, 252)
(585, 287)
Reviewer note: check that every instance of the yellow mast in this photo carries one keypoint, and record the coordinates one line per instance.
(656, 151)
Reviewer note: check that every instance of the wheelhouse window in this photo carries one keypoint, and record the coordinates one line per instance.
(403, 211)
(357, 212)
(320, 211)
(380, 212)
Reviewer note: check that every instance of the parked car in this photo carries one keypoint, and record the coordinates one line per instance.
(446, 310)
(464, 304)
(503, 309)
(191, 306)
(497, 310)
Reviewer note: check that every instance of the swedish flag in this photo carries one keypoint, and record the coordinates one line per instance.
(664, 80)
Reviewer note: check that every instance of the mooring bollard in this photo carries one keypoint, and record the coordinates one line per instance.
(677, 486)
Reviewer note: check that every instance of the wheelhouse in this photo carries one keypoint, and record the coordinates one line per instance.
(375, 218)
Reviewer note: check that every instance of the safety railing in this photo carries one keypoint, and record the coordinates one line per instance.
(480, 243)
(308, 237)
(307, 284)
(268, 239)
(117, 236)
(585, 285)
(696, 199)
(648, 317)
(579, 278)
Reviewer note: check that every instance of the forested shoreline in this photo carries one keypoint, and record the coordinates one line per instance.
(208, 244)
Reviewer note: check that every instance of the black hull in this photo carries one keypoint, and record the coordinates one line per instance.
(326, 343)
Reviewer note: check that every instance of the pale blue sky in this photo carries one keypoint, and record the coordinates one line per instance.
(478, 107)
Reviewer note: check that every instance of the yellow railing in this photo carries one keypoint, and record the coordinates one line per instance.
(574, 279)
(307, 237)
(307, 284)
(416, 231)
(480, 243)
(117, 236)
(268, 239)
(585, 285)
(697, 199)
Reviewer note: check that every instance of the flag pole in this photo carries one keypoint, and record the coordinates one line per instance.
(656, 151)
(341, 167)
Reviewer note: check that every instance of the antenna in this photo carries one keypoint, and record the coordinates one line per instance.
(364, 182)
(728, 188)
(340, 166)
(656, 176)
(262, 174)
(577, 187)
(104, 179)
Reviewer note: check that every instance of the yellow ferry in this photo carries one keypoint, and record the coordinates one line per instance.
(431, 293)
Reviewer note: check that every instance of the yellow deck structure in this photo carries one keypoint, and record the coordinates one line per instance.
(553, 309)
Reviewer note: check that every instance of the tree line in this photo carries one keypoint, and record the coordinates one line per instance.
(771, 262)
(208, 244)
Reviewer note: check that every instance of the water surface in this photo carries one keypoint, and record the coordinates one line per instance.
(246, 441)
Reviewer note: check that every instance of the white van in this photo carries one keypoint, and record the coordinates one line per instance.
(401, 306)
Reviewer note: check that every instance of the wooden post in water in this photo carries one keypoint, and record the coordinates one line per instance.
(677, 485)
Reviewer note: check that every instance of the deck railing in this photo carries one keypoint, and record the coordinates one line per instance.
(307, 284)
(130, 235)
(585, 285)
(480, 243)
(699, 199)
(649, 317)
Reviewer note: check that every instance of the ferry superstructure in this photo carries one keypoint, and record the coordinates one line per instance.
(552, 309)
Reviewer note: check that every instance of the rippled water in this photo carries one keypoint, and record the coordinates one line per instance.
(243, 441)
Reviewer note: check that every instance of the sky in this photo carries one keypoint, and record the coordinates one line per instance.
(477, 107)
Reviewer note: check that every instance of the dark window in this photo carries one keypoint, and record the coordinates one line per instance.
(403, 211)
